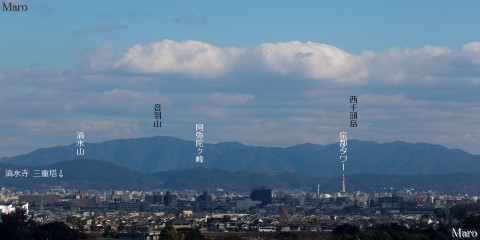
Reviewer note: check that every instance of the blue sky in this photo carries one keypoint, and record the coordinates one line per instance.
(55, 28)
(272, 73)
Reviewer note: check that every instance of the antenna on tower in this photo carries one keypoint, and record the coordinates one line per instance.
(318, 190)
(343, 158)
(41, 203)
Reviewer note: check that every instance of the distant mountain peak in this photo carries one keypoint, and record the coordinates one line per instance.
(163, 153)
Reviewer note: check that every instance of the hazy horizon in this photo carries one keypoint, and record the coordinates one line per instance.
(230, 141)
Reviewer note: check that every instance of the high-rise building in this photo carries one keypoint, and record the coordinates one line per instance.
(169, 199)
(205, 201)
(154, 199)
(264, 195)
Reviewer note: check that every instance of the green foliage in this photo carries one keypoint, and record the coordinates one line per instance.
(74, 221)
(56, 231)
(345, 229)
(346, 237)
(286, 236)
(14, 226)
(381, 235)
(169, 233)
(440, 213)
(12, 223)
(460, 211)
(438, 236)
(472, 222)
(190, 234)
(398, 232)
(376, 235)
(418, 236)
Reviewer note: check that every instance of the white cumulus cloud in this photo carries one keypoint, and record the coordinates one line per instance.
(471, 47)
(472, 51)
(192, 58)
(312, 60)
(403, 65)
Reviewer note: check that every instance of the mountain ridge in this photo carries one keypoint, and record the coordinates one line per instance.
(163, 153)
